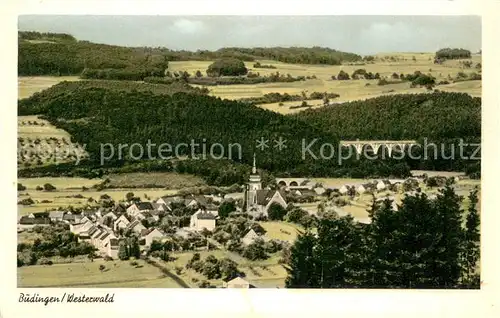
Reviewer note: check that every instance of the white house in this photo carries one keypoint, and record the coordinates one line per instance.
(383, 185)
(136, 226)
(120, 223)
(249, 238)
(237, 282)
(150, 235)
(56, 216)
(139, 207)
(344, 189)
(202, 219)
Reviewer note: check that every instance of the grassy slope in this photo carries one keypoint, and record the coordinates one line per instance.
(348, 90)
(119, 274)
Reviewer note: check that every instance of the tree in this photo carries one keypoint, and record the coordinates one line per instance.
(102, 268)
(296, 215)
(301, 265)
(255, 250)
(133, 247)
(276, 212)
(228, 268)
(343, 75)
(198, 74)
(225, 208)
(227, 67)
(326, 100)
(49, 187)
(129, 196)
(20, 187)
(123, 251)
(471, 247)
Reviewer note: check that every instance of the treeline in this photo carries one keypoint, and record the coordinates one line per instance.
(128, 74)
(46, 36)
(425, 243)
(298, 55)
(36, 104)
(71, 57)
(228, 80)
(99, 116)
(285, 97)
(452, 54)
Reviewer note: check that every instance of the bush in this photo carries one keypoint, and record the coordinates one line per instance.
(276, 212)
(48, 187)
(20, 187)
(27, 201)
(227, 67)
(178, 270)
(45, 261)
(133, 263)
(342, 76)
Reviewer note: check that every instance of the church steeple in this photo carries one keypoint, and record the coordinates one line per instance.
(254, 168)
(254, 185)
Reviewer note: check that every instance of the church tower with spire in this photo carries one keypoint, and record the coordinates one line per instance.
(254, 185)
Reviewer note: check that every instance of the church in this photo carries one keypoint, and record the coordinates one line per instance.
(259, 200)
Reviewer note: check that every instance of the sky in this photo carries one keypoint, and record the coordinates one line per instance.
(358, 34)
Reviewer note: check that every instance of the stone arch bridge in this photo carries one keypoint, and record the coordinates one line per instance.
(376, 145)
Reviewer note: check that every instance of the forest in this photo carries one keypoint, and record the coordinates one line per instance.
(110, 114)
(61, 54)
(444, 250)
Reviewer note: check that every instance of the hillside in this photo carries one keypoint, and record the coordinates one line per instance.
(61, 54)
(35, 104)
(400, 117)
(97, 115)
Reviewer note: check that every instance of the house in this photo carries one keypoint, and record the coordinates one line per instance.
(394, 206)
(236, 282)
(344, 189)
(71, 218)
(304, 192)
(120, 208)
(212, 208)
(383, 185)
(135, 226)
(167, 200)
(56, 216)
(319, 190)
(161, 207)
(196, 201)
(151, 234)
(365, 187)
(249, 238)
(139, 207)
(202, 220)
(82, 229)
(111, 247)
(39, 215)
(29, 222)
(121, 223)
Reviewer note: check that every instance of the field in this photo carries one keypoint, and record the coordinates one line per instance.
(40, 143)
(117, 274)
(168, 180)
(65, 198)
(348, 90)
(263, 274)
(28, 85)
(281, 230)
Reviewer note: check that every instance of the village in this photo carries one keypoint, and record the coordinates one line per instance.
(234, 222)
